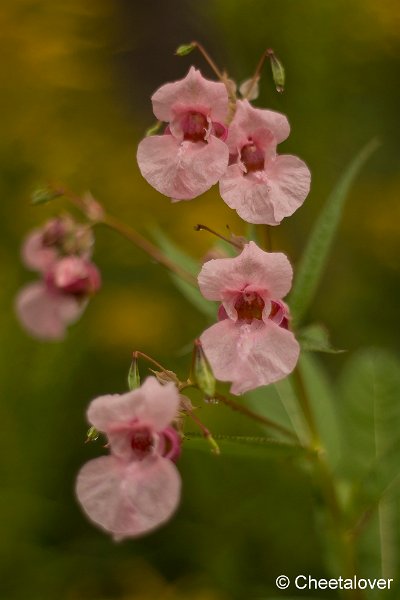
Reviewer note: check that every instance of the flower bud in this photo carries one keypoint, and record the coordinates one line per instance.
(278, 71)
(43, 195)
(202, 373)
(134, 375)
(92, 435)
(185, 49)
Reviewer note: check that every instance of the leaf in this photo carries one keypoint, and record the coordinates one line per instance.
(243, 446)
(189, 264)
(322, 401)
(179, 256)
(369, 391)
(370, 407)
(315, 338)
(279, 403)
(315, 256)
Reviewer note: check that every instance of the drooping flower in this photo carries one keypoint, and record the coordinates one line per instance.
(136, 488)
(251, 344)
(261, 185)
(191, 156)
(58, 237)
(60, 251)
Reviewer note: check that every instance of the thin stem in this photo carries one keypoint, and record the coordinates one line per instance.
(257, 72)
(130, 234)
(255, 416)
(143, 243)
(206, 432)
(219, 235)
(306, 408)
(138, 354)
(210, 61)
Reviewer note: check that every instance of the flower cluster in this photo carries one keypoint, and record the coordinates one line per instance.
(199, 148)
(208, 138)
(60, 252)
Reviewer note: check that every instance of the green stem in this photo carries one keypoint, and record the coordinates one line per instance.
(345, 541)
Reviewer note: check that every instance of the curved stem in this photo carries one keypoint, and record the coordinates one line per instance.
(210, 61)
(143, 243)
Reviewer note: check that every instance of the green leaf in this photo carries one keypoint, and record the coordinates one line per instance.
(369, 391)
(370, 408)
(323, 404)
(243, 446)
(279, 403)
(193, 295)
(189, 264)
(315, 338)
(174, 253)
(315, 256)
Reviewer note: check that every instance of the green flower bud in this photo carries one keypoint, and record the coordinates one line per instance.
(43, 195)
(185, 49)
(92, 435)
(133, 375)
(201, 371)
(278, 71)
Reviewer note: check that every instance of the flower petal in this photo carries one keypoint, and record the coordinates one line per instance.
(269, 195)
(289, 182)
(153, 403)
(194, 91)
(35, 255)
(46, 314)
(249, 120)
(182, 170)
(250, 355)
(270, 271)
(128, 499)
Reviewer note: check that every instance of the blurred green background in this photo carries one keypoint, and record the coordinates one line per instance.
(76, 80)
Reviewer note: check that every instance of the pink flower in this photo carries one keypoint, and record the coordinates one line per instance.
(137, 487)
(45, 308)
(251, 345)
(262, 186)
(58, 237)
(191, 156)
(60, 251)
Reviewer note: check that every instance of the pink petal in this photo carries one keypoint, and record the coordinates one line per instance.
(248, 194)
(192, 92)
(153, 403)
(128, 499)
(250, 355)
(289, 182)
(46, 314)
(35, 255)
(270, 195)
(249, 120)
(182, 170)
(270, 271)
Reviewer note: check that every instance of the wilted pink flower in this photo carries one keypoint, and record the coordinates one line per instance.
(137, 487)
(45, 308)
(251, 345)
(60, 251)
(261, 185)
(191, 156)
(58, 237)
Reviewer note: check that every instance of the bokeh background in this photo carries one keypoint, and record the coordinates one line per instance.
(76, 79)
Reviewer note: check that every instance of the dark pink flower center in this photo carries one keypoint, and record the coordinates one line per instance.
(249, 306)
(142, 441)
(194, 126)
(252, 157)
